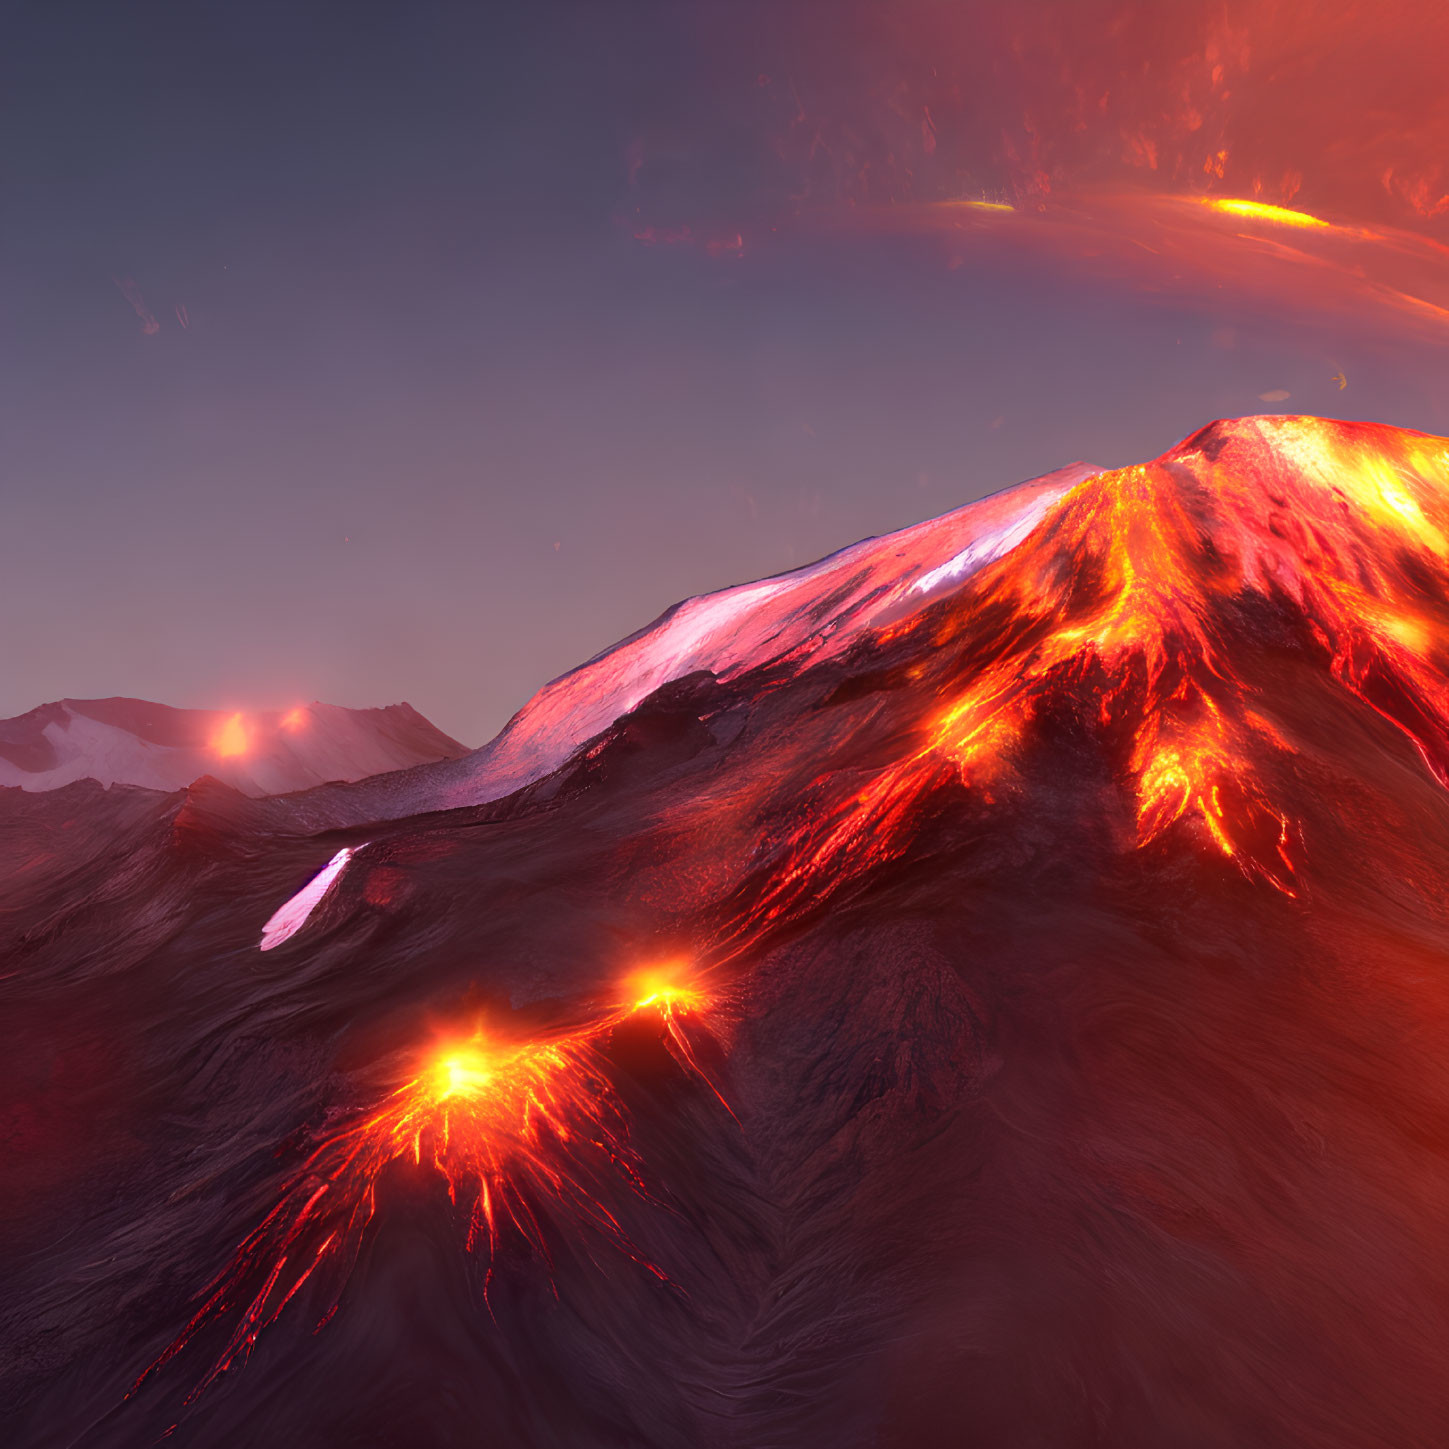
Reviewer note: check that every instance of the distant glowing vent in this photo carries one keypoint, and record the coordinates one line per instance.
(231, 740)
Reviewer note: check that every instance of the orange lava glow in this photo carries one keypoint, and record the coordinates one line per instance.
(232, 739)
(511, 1127)
(295, 719)
(1131, 635)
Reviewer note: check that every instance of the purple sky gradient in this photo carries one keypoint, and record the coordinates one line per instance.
(437, 426)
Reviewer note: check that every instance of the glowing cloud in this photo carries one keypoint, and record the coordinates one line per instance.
(1196, 250)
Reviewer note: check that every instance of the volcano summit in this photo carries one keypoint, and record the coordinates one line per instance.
(986, 987)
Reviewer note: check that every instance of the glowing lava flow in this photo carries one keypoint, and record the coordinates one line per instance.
(525, 1134)
(1129, 604)
(668, 990)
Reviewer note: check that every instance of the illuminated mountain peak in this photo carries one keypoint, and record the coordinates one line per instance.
(1140, 589)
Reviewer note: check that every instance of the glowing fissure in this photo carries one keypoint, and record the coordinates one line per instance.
(510, 1126)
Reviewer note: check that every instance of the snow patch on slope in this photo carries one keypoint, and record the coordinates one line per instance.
(807, 615)
(986, 549)
(293, 914)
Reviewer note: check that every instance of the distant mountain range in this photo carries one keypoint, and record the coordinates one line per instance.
(258, 752)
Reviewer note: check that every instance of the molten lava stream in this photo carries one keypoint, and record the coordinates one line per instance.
(1144, 629)
(507, 1124)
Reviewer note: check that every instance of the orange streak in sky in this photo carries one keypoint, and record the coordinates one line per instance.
(1261, 211)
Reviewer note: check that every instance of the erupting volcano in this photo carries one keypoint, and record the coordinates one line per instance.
(985, 987)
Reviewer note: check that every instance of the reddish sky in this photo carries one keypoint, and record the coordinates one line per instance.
(366, 353)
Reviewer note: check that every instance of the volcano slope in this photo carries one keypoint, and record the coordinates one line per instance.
(1024, 1025)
